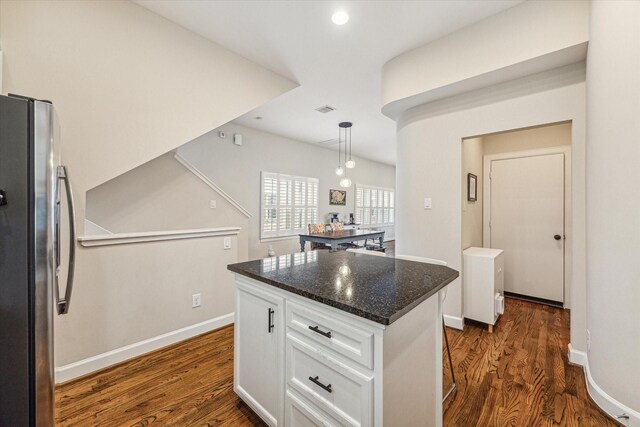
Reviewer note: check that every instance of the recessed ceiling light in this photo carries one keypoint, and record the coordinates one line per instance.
(340, 17)
(258, 117)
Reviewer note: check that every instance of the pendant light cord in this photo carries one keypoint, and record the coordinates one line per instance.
(349, 145)
(339, 145)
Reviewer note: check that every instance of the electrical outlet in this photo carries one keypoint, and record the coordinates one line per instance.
(212, 204)
(227, 243)
(588, 340)
(427, 202)
(196, 300)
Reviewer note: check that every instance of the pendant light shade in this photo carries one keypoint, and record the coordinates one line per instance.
(350, 164)
(345, 182)
(339, 171)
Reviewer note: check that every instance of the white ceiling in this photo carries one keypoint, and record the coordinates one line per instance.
(335, 65)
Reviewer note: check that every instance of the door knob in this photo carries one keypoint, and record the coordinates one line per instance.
(557, 237)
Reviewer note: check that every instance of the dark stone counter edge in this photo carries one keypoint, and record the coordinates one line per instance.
(345, 307)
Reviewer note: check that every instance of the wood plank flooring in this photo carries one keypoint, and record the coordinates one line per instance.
(520, 374)
(190, 383)
(517, 376)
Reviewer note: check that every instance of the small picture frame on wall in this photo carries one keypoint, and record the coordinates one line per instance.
(472, 187)
(337, 197)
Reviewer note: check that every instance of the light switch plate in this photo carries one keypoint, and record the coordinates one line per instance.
(212, 204)
(227, 242)
(427, 202)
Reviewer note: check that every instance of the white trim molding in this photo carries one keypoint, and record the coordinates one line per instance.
(153, 236)
(204, 178)
(577, 357)
(95, 363)
(454, 322)
(608, 404)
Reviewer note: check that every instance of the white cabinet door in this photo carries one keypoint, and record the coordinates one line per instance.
(259, 356)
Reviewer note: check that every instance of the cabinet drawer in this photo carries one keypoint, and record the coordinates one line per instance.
(329, 384)
(332, 333)
(300, 413)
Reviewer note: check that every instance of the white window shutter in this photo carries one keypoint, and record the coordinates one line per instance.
(289, 203)
(374, 206)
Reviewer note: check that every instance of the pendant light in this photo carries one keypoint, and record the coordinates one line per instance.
(345, 182)
(339, 170)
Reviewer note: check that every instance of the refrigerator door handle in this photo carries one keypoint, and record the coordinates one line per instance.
(62, 304)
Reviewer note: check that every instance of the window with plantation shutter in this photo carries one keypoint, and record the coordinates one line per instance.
(374, 205)
(289, 203)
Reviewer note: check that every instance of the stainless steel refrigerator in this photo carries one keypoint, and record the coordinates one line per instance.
(32, 184)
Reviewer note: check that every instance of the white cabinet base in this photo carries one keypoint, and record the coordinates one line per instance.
(335, 368)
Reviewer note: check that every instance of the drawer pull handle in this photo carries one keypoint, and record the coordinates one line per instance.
(316, 382)
(318, 331)
(270, 320)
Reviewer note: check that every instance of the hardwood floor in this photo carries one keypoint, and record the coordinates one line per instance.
(517, 376)
(190, 383)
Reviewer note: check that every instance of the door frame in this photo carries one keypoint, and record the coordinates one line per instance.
(568, 212)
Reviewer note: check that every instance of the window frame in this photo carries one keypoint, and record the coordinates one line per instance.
(307, 203)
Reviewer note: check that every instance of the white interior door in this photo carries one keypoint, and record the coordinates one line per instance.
(527, 221)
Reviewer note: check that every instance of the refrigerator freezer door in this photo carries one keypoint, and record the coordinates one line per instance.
(29, 178)
(15, 280)
(45, 180)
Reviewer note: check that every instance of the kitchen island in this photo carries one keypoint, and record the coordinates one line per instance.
(340, 338)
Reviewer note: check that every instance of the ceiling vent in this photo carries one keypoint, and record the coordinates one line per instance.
(325, 109)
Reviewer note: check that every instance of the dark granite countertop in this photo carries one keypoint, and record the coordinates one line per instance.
(381, 289)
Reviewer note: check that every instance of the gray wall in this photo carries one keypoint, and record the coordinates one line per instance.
(613, 176)
(430, 165)
(162, 195)
(236, 169)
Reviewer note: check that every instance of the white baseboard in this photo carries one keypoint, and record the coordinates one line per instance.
(454, 322)
(83, 367)
(607, 403)
(577, 356)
